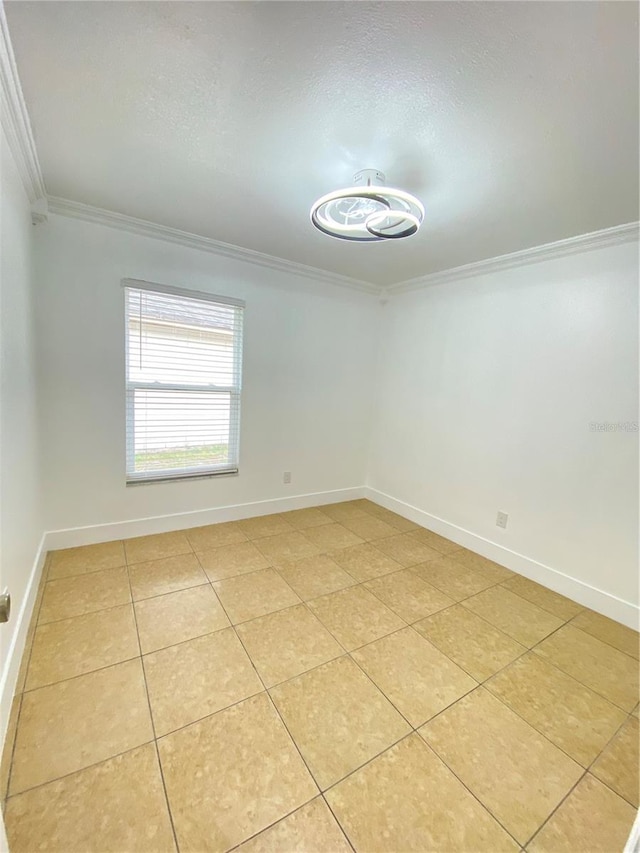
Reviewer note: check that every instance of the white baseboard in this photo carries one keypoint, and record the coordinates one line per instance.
(74, 536)
(633, 842)
(590, 596)
(17, 644)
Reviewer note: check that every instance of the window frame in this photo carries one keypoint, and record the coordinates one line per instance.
(234, 391)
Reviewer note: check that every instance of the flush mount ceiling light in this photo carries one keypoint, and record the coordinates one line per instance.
(368, 211)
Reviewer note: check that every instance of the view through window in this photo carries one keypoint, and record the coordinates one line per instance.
(184, 368)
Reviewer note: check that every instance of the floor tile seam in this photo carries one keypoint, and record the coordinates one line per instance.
(524, 652)
(395, 612)
(566, 620)
(607, 785)
(311, 669)
(256, 542)
(560, 670)
(555, 809)
(335, 817)
(601, 753)
(356, 583)
(460, 665)
(446, 592)
(520, 717)
(430, 643)
(232, 624)
(502, 630)
(239, 638)
(35, 617)
(351, 772)
(86, 613)
(587, 686)
(242, 541)
(381, 691)
(153, 725)
(86, 572)
(295, 744)
(207, 582)
(240, 574)
(378, 687)
(271, 825)
(291, 529)
(466, 787)
(188, 640)
(13, 753)
(542, 610)
(79, 770)
(165, 557)
(604, 642)
(402, 627)
(534, 726)
(586, 773)
(161, 736)
(372, 544)
(283, 722)
(326, 627)
(593, 636)
(80, 674)
(579, 682)
(408, 734)
(166, 795)
(570, 675)
(280, 569)
(81, 615)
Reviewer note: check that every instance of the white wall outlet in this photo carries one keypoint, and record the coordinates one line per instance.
(286, 478)
(501, 519)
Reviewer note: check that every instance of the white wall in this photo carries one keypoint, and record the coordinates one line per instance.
(487, 389)
(307, 390)
(20, 520)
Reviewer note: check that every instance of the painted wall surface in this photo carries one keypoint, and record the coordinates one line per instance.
(21, 525)
(488, 392)
(307, 376)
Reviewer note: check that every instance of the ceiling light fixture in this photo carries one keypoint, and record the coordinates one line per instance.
(368, 211)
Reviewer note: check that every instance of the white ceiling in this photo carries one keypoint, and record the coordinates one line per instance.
(515, 123)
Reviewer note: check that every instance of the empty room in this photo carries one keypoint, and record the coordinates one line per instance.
(319, 426)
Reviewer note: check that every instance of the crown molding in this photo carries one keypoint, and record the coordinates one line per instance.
(88, 213)
(15, 118)
(547, 252)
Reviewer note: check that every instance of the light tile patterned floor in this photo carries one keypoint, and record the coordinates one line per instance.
(323, 680)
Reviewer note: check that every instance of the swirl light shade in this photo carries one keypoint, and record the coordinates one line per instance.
(368, 211)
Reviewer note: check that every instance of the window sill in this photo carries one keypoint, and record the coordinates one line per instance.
(174, 478)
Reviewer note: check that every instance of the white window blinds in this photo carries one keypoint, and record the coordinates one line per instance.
(184, 369)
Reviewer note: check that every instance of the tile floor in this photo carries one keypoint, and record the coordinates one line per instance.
(323, 680)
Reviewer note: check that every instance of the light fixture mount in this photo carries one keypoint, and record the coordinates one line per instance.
(368, 211)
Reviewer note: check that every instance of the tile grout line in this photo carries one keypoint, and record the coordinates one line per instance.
(80, 770)
(151, 718)
(357, 583)
(413, 730)
(318, 796)
(273, 705)
(586, 772)
(348, 653)
(464, 784)
(286, 728)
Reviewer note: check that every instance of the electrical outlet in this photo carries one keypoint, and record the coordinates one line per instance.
(286, 478)
(501, 519)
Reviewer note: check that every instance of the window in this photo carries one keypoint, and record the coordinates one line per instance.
(184, 366)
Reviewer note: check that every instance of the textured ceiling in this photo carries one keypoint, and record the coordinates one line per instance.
(515, 123)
